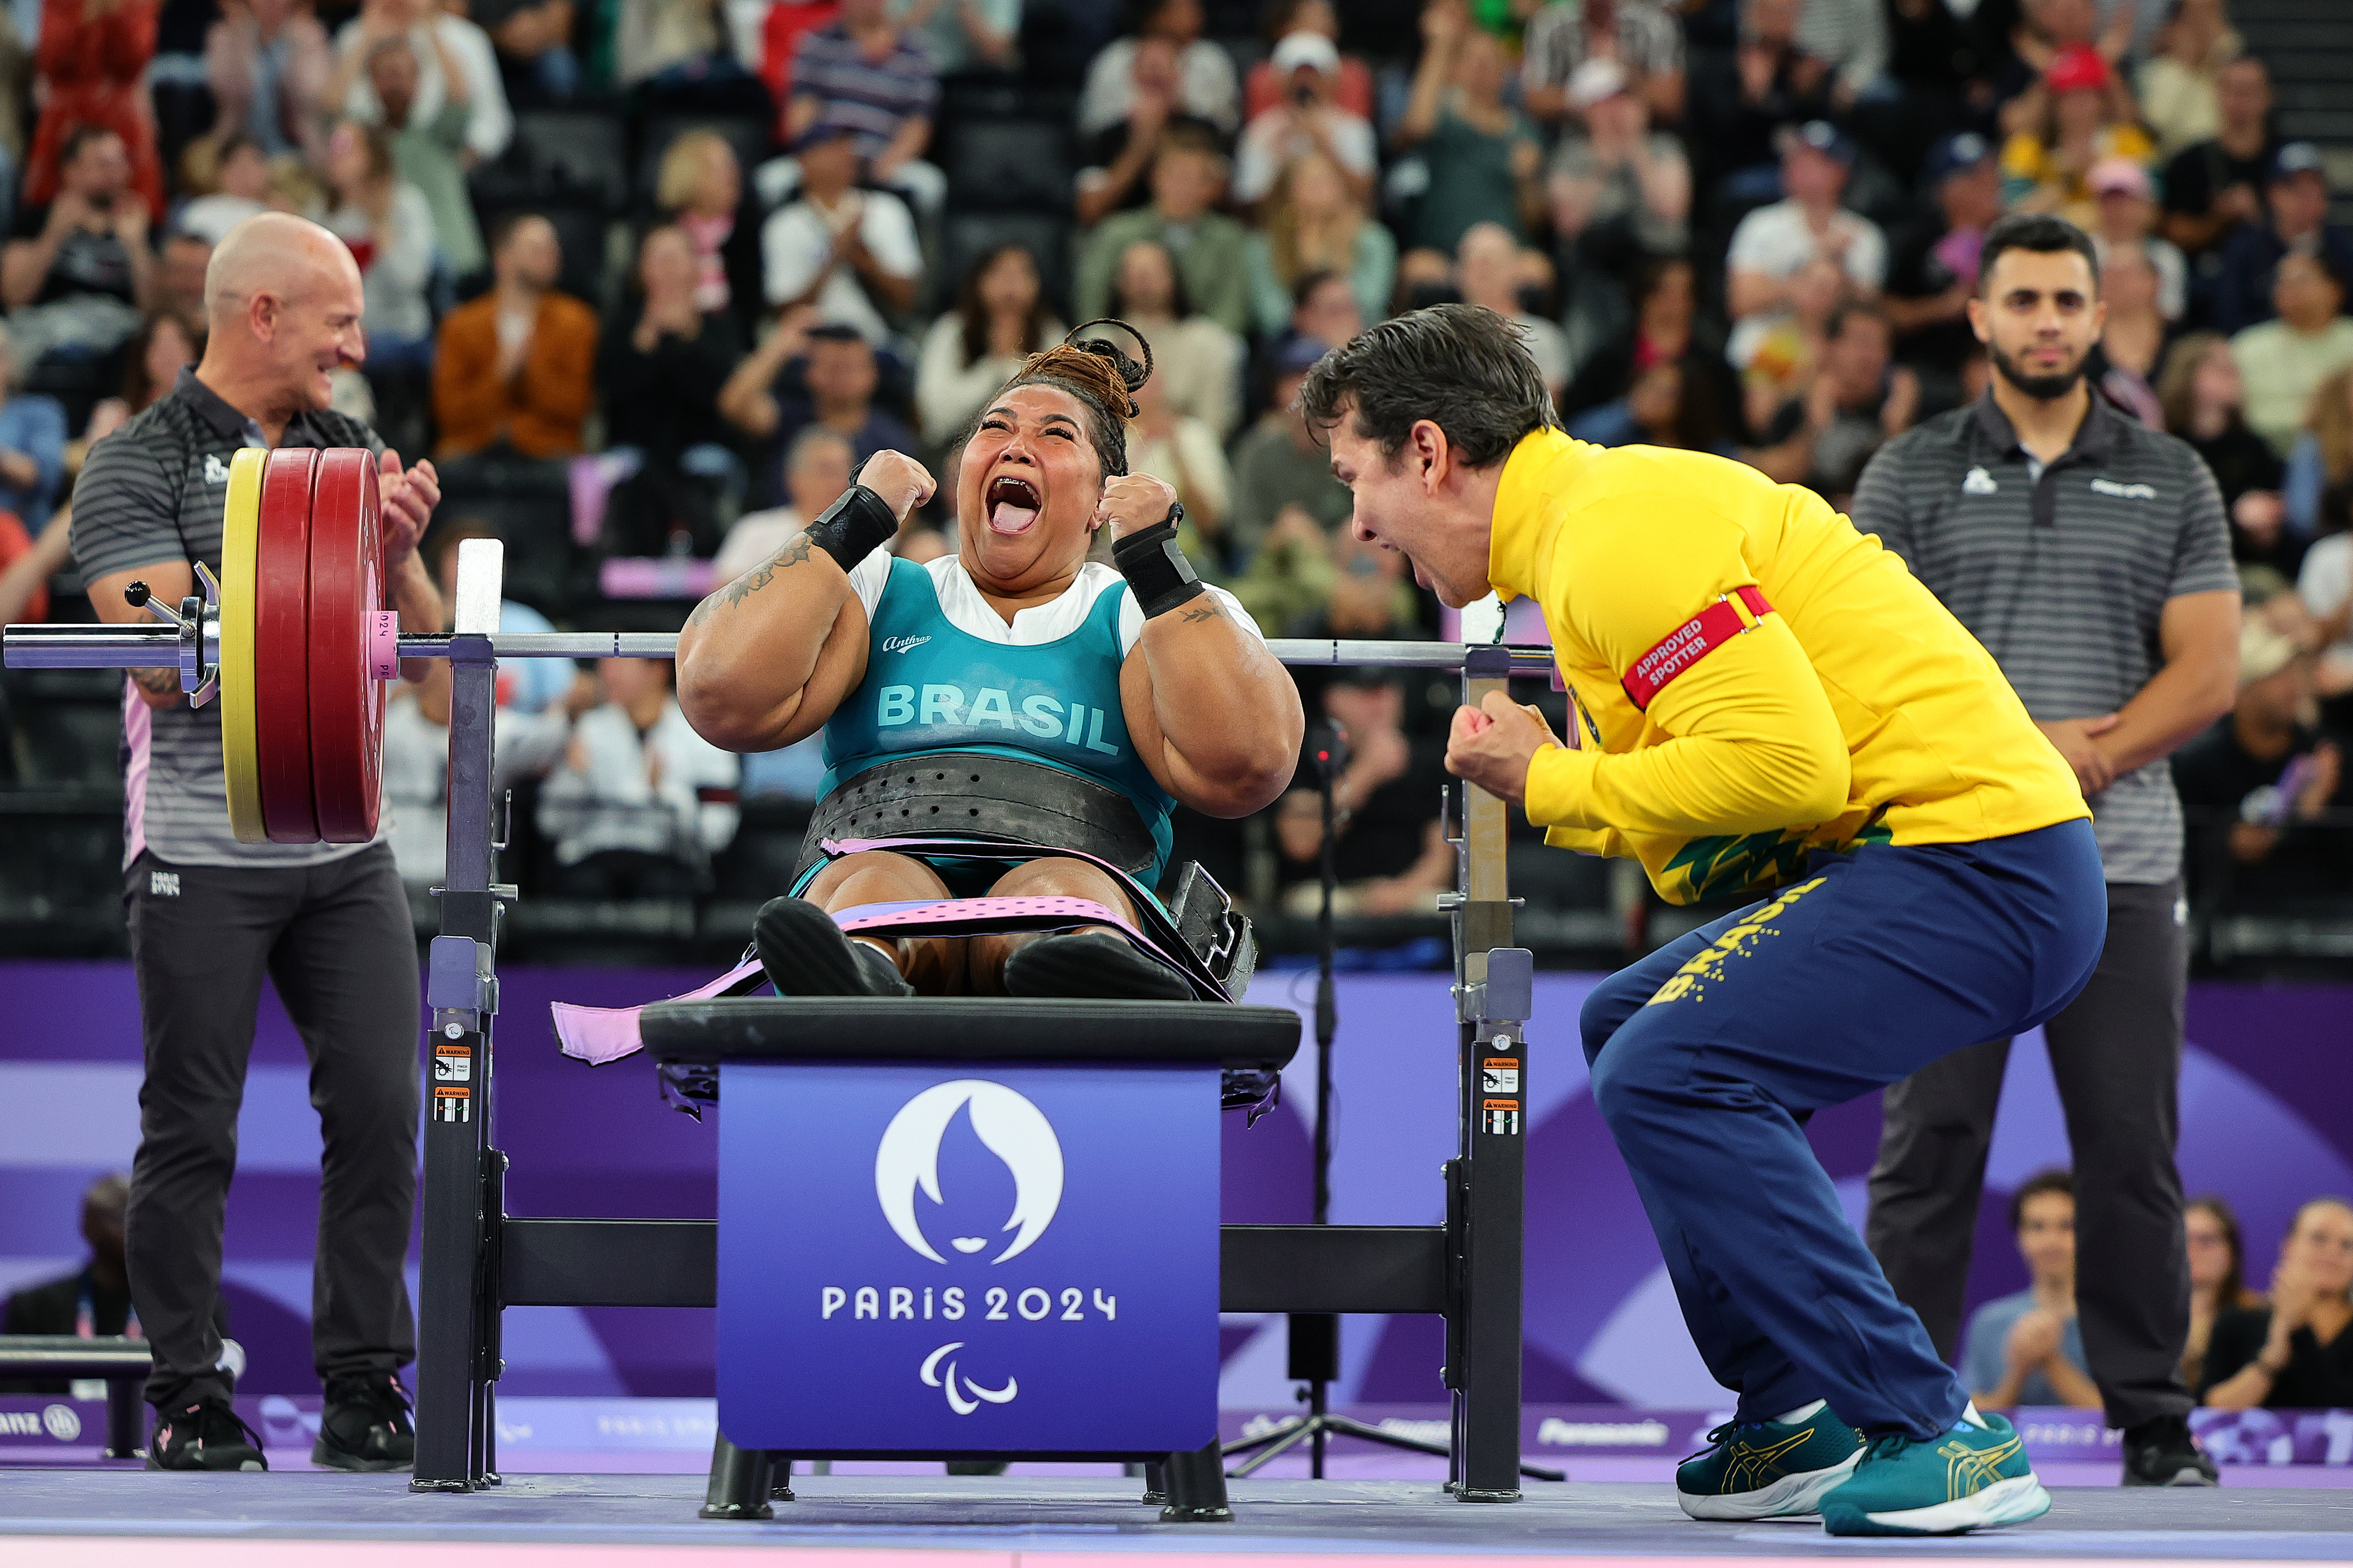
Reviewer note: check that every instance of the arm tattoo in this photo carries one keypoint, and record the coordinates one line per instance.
(1208, 611)
(161, 681)
(752, 582)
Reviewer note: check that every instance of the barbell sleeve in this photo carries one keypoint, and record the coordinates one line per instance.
(65, 646)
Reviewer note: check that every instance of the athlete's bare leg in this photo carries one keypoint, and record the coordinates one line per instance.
(1051, 875)
(934, 965)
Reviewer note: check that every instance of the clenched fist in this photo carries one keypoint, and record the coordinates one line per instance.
(1491, 745)
(1132, 502)
(899, 479)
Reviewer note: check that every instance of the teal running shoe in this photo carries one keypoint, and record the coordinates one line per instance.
(1972, 1478)
(1768, 1469)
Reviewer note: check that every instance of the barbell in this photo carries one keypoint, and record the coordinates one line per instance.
(295, 642)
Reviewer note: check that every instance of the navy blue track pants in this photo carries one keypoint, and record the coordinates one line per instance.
(1704, 1054)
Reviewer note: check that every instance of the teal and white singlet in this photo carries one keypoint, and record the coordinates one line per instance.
(945, 673)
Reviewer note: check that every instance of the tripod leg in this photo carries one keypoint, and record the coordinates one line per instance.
(1197, 1487)
(1274, 1434)
(740, 1478)
(1299, 1430)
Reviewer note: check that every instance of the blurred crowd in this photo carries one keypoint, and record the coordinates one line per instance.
(2282, 1346)
(1743, 226)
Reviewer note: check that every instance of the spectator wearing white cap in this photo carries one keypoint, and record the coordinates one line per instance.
(1618, 190)
(2126, 216)
(2294, 221)
(1307, 119)
(1637, 36)
(1774, 241)
(1263, 88)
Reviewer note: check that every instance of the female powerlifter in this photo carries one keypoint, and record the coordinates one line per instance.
(1049, 698)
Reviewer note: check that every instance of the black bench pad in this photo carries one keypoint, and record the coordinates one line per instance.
(969, 1028)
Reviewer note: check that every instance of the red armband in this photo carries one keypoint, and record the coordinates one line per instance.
(1690, 642)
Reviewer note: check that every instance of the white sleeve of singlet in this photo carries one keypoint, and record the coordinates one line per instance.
(1131, 617)
(867, 578)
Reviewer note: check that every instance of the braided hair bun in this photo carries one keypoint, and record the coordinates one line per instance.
(1101, 376)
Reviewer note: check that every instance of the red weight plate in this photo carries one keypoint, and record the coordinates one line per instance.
(281, 665)
(346, 699)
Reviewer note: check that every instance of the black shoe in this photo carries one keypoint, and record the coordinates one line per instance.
(976, 1467)
(205, 1436)
(805, 954)
(1091, 964)
(366, 1425)
(2162, 1453)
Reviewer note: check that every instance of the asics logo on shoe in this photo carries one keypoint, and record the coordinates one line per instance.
(1747, 1469)
(1969, 1470)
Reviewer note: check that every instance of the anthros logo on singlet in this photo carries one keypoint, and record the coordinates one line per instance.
(1040, 716)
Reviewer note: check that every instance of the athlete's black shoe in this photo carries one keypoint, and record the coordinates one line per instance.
(2162, 1453)
(1091, 964)
(805, 954)
(366, 1425)
(205, 1436)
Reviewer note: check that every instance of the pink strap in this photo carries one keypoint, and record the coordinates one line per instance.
(982, 917)
(601, 1035)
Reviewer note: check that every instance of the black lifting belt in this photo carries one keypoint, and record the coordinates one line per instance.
(977, 795)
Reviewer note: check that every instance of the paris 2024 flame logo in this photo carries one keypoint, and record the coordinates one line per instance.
(1009, 1127)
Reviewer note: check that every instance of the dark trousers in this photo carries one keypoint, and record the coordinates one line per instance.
(2116, 1053)
(336, 942)
(1705, 1053)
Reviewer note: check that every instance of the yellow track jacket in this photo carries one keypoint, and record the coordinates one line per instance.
(1856, 711)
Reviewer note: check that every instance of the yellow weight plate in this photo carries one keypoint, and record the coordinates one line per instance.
(240, 536)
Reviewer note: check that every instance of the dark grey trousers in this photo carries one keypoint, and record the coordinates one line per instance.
(336, 942)
(2116, 1054)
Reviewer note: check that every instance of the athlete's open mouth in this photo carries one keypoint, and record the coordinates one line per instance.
(1012, 504)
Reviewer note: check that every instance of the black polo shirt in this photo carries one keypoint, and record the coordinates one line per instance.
(2063, 574)
(154, 492)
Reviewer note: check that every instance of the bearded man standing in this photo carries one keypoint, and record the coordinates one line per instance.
(2089, 554)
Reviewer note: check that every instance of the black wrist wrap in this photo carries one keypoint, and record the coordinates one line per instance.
(1154, 566)
(853, 527)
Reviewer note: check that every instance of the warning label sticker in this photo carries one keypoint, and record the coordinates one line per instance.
(1500, 1117)
(453, 1105)
(1499, 1075)
(453, 1067)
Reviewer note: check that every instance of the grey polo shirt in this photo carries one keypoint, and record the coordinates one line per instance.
(2062, 576)
(154, 492)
